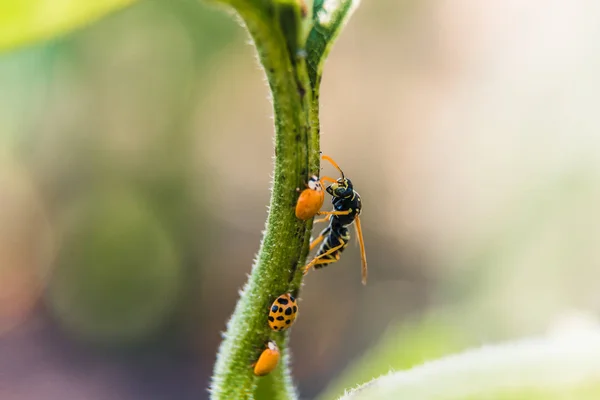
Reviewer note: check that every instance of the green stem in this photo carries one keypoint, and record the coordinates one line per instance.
(283, 40)
(314, 136)
(285, 242)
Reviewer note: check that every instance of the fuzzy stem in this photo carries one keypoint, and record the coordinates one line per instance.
(292, 48)
(285, 242)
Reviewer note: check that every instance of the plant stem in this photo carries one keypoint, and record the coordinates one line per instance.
(285, 242)
(284, 38)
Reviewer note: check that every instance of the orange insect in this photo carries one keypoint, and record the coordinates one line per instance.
(268, 360)
(283, 312)
(311, 199)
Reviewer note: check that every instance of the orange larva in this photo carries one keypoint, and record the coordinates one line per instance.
(268, 360)
(311, 199)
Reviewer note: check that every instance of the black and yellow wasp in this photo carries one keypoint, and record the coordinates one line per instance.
(346, 210)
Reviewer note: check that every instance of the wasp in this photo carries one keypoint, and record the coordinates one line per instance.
(347, 206)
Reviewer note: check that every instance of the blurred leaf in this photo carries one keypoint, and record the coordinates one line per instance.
(25, 21)
(559, 367)
(403, 346)
(119, 275)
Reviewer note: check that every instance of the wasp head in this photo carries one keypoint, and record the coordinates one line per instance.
(341, 188)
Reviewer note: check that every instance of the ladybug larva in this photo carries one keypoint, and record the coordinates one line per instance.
(268, 360)
(311, 199)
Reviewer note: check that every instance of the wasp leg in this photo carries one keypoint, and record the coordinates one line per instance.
(315, 242)
(319, 257)
(363, 255)
(346, 212)
(327, 218)
(328, 261)
(320, 238)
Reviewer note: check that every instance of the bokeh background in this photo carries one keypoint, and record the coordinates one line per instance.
(135, 161)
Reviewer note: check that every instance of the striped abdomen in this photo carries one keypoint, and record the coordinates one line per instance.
(335, 238)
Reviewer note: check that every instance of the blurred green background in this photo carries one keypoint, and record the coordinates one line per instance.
(135, 161)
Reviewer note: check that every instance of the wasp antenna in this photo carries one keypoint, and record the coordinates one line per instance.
(327, 179)
(327, 158)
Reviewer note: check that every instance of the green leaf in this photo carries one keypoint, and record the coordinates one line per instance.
(404, 345)
(329, 17)
(549, 368)
(27, 21)
(119, 275)
(289, 15)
